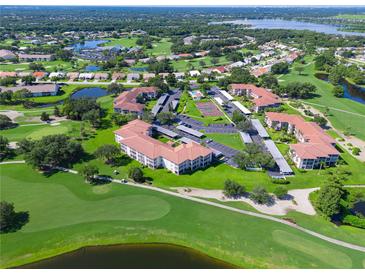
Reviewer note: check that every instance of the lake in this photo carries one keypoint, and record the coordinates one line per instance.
(92, 68)
(289, 24)
(91, 44)
(352, 92)
(132, 256)
(93, 92)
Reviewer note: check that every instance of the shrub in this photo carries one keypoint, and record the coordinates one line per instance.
(233, 189)
(5, 122)
(354, 221)
(259, 195)
(136, 174)
(280, 181)
(280, 192)
(356, 151)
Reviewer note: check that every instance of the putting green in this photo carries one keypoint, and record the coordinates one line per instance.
(331, 257)
(58, 201)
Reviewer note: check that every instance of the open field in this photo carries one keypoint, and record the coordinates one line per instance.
(111, 213)
(345, 114)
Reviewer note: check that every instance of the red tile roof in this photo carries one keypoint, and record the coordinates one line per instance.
(135, 135)
(128, 100)
(39, 74)
(7, 74)
(221, 69)
(262, 97)
(259, 71)
(317, 142)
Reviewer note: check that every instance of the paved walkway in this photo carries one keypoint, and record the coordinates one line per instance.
(337, 109)
(240, 211)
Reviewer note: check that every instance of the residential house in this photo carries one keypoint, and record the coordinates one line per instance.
(39, 75)
(35, 57)
(118, 76)
(72, 76)
(86, 76)
(35, 90)
(194, 73)
(58, 74)
(7, 54)
(179, 75)
(4, 74)
(130, 62)
(133, 77)
(147, 76)
(101, 76)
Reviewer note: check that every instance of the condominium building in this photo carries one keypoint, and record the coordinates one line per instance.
(127, 102)
(261, 97)
(315, 147)
(135, 140)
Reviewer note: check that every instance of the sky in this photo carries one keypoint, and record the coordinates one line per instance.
(181, 2)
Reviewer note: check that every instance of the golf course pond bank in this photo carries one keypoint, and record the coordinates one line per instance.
(131, 256)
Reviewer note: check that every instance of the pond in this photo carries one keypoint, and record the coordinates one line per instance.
(92, 68)
(91, 44)
(359, 207)
(352, 92)
(94, 92)
(132, 256)
(289, 24)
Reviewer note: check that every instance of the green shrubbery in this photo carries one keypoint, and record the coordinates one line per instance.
(354, 221)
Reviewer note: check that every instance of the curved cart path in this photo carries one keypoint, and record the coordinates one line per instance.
(240, 211)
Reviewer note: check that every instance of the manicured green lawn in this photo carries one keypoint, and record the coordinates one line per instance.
(125, 42)
(351, 16)
(232, 140)
(162, 47)
(49, 66)
(182, 65)
(66, 213)
(38, 131)
(345, 114)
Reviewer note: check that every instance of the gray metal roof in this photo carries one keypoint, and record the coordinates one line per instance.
(186, 140)
(190, 131)
(174, 104)
(156, 109)
(260, 128)
(246, 138)
(166, 131)
(278, 157)
(162, 99)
